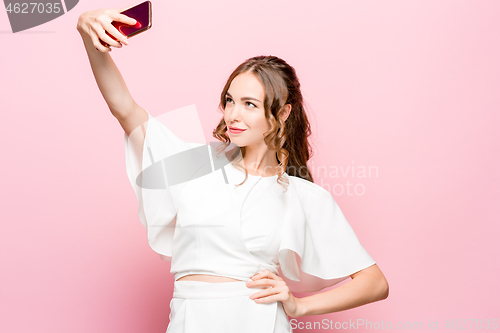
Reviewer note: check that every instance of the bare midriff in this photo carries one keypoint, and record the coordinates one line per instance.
(206, 278)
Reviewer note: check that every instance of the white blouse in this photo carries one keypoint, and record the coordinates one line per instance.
(197, 218)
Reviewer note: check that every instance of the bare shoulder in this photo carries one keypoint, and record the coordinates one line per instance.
(132, 119)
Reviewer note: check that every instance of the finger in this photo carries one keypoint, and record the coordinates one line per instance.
(263, 293)
(96, 42)
(107, 32)
(265, 298)
(103, 49)
(260, 275)
(268, 274)
(107, 39)
(115, 32)
(103, 43)
(263, 282)
(125, 19)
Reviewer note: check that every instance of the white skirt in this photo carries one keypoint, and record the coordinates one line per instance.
(223, 307)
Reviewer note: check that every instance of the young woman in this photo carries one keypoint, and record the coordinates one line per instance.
(254, 227)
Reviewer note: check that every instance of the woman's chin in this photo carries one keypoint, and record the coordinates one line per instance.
(239, 143)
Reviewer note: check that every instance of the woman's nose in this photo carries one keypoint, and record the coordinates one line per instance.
(234, 114)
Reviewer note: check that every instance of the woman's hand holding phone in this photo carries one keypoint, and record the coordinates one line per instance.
(96, 24)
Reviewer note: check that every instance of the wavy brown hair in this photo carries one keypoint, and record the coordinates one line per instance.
(289, 138)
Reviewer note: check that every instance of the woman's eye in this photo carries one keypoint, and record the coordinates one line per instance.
(249, 103)
(228, 99)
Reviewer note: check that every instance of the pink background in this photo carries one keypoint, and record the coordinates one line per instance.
(409, 87)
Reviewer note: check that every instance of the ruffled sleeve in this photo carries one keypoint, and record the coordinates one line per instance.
(318, 247)
(145, 155)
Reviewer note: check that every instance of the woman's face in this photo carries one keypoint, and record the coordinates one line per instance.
(245, 110)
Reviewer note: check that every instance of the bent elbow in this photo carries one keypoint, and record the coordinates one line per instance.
(384, 289)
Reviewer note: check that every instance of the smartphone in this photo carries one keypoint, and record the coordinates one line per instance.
(140, 12)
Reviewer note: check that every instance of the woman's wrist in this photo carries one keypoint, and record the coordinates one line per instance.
(301, 308)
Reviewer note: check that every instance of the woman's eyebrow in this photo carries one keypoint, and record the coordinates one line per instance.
(245, 98)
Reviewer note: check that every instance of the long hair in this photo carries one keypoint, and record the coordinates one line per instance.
(289, 138)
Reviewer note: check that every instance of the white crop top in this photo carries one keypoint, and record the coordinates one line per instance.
(207, 225)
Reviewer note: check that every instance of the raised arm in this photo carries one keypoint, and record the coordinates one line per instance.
(92, 26)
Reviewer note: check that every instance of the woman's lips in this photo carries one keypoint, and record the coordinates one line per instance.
(235, 131)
